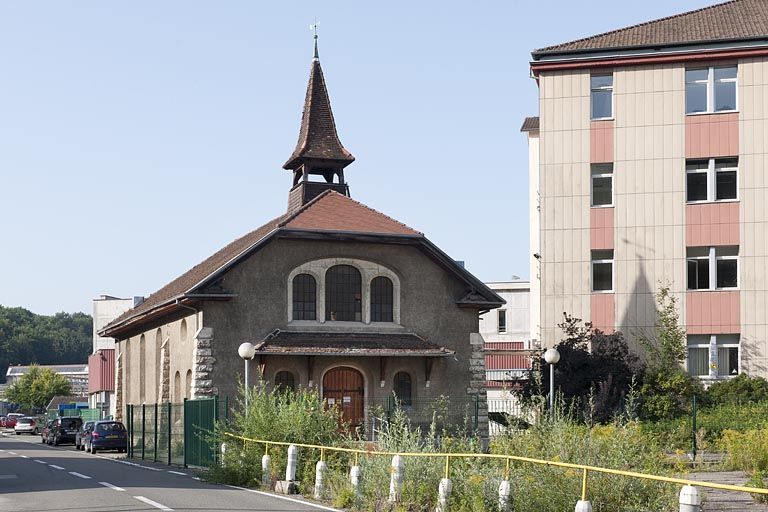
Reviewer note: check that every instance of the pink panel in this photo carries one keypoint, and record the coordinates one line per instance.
(711, 135)
(101, 371)
(711, 224)
(602, 307)
(601, 142)
(714, 312)
(601, 228)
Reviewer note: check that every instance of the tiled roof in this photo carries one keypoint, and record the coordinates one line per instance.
(346, 343)
(318, 138)
(735, 20)
(530, 124)
(332, 211)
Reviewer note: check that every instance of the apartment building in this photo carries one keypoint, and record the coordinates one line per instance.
(647, 166)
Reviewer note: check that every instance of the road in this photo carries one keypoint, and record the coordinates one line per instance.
(36, 477)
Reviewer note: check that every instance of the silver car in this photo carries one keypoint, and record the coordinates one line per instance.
(26, 425)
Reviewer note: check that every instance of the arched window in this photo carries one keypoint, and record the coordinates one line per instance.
(188, 390)
(177, 387)
(183, 331)
(381, 300)
(304, 297)
(402, 388)
(343, 296)
(285, 381)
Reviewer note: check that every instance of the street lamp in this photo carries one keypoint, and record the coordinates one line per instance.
(247, 351)
(552, 357)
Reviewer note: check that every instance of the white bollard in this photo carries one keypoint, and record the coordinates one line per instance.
(505, 491)
(444, 495)
(583, 506)
(293, 459)
(396, 480)
(354, 478)
(320, 469)
(690, 499)
(266, 479)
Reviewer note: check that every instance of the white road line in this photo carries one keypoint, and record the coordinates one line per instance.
(113, 487)
(13, 453)
(285, 498)
(54, 466)
(153, 503)
(79, 475)
(23, 456)
(39, 461)
(177, 473)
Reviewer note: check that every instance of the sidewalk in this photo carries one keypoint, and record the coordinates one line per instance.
(727, 501)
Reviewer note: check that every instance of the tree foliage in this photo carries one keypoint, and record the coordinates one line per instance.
(739, 390)
(27, 338)
(34, 390)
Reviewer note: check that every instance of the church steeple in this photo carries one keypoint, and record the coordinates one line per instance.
(319, 151)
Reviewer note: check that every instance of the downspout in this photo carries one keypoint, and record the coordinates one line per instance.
(197, 312)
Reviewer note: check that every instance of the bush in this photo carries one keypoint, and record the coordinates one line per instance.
(738, 390)
(667, 393)
(757, 480)
(746, 451)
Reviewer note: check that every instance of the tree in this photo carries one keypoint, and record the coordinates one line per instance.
(596, 370)
(35, 389)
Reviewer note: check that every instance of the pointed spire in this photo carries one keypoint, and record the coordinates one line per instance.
(316, 55)
(318, 140)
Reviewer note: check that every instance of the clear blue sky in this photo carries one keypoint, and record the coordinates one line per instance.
(137, 138)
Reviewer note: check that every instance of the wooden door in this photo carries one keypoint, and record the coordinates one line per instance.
(343, 387)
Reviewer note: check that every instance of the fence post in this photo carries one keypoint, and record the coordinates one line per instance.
(444, 495)
(290, 467)
(266, 477)
(170, 445)
(184, 426)
(504, 493)
(396, 480)
(354, 478)
(215, 421)
(130, 429)
(320, 468)
(143, 429)
(693, 430)
(690, 499)
(477, 411)
(155, 457)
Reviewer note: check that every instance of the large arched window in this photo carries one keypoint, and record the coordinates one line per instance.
(343, 296)
(285, 381)
(304, 297)
(382, 305)
(402, 388)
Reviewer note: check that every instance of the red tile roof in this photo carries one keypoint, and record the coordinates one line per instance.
(734, 20)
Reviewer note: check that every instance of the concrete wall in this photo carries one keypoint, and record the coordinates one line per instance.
(518, 295)
(106, 309)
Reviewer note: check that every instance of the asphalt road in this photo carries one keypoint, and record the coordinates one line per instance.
(36, 477)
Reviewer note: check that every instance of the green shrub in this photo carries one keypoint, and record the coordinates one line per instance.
(738, 390)
(746, 451)
(667, 393)
(757, 480)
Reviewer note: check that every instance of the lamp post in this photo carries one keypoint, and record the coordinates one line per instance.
(552, 357)
(247, 351)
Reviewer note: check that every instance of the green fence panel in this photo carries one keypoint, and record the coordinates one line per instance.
(200, 418)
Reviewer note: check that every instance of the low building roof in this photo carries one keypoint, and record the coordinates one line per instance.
(16, 371)
(63, 400)
(313, 343)
(530, 124)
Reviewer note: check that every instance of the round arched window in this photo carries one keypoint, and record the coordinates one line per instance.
(304, 297)
(285, 381)
(343, 295)
(382, 306)
(403, 389)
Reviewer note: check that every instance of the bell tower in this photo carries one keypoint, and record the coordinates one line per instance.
(319, 159)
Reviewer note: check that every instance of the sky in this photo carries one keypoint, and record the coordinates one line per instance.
(139, 137)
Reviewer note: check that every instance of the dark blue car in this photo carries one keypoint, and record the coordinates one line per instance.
(106, 435)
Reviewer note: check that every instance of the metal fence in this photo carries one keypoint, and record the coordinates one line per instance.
(85, 414)
(175, 434)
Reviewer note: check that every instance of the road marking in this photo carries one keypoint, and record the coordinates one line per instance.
(177, 473)
(113, 487)
(39, 461)
(13, 453)
(79, 475)
(54, 466)
(23, 456)
(196, 478)
(8, 477)
(285, 498)
(153, 503)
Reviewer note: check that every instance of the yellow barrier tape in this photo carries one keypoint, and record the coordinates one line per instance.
(597, 469)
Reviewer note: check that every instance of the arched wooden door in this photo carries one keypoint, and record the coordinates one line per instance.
(344, 387)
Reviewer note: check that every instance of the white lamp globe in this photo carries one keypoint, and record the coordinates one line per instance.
(246, 350)
(552, 356)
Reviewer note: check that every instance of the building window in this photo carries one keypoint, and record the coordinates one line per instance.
(343, 296)
(602, 271)
(602, 184)
(601, 93)
(382, 304)
(502, 321)
(304, 297)
(713, 268)
(403, 388)
(285, 381)
(713, 355)
(710, 89)
(711, 180)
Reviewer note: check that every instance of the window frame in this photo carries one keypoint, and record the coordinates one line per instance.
(333, 294)
(383, 305)
(711, 171)
(501, 313)
(737, 346)
(600, 261)
(710, 83)
(402, 402)
(725, 258)
(698, 346)
(696, 259)
(600, 171)
(712, 257)
(295, 292)
(593, 89)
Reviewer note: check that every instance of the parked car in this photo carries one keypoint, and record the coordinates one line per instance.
(45, 433)
(26, 425)
(11, 419)
(64, 430)
(85, 427)
(106, 435)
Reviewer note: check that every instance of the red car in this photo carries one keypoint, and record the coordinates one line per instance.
(10, 420)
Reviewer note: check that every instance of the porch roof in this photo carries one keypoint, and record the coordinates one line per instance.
(363, 344)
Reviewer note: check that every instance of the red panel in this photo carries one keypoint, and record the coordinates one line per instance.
(601, 142)
(603, 306)
(101, 371)
(711, 135)
(714, 312)
(711, 224)
(601, 228)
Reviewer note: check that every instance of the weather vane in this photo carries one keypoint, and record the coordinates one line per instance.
(313, 27)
